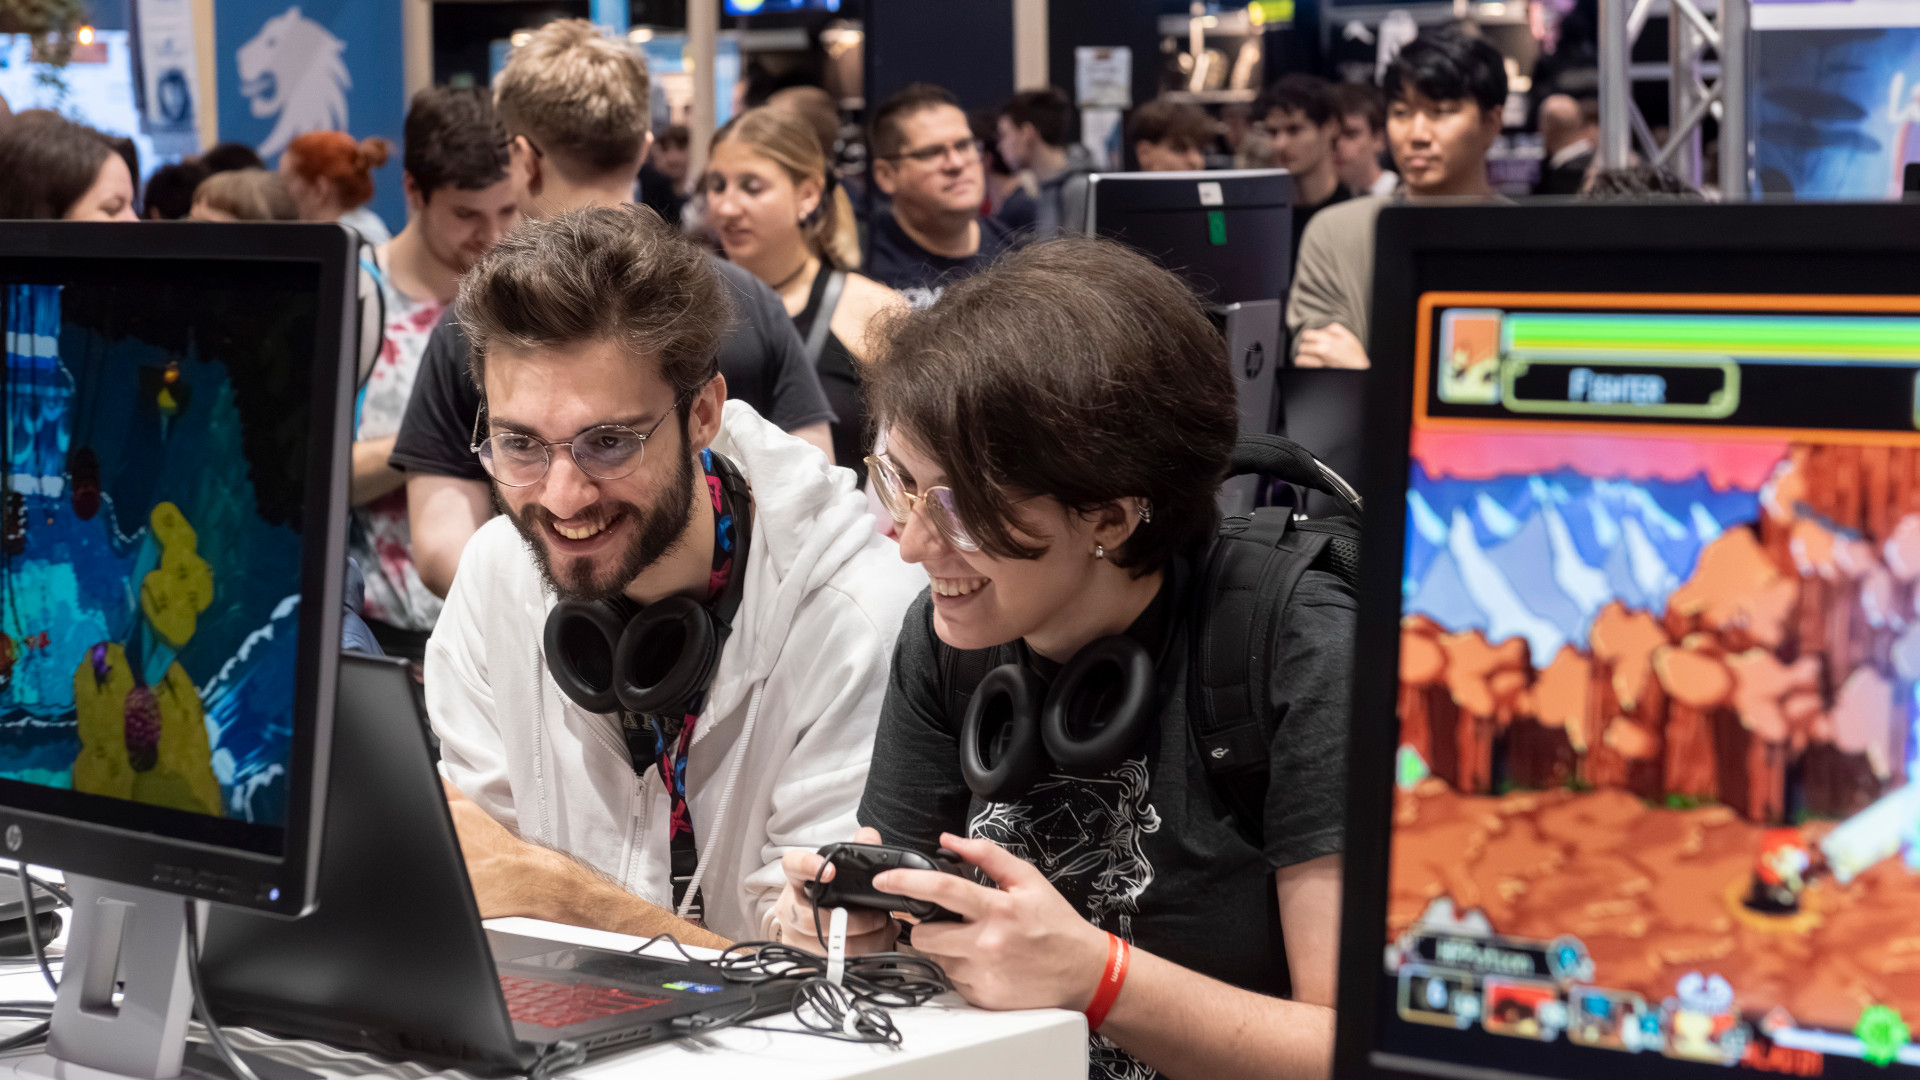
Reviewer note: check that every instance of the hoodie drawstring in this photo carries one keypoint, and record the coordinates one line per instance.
(726, 800)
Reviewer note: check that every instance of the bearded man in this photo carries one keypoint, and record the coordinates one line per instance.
(658, 538)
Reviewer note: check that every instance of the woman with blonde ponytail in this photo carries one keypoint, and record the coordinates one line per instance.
(780, 213)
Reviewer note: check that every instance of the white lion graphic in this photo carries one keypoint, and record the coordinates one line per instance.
(292, 68)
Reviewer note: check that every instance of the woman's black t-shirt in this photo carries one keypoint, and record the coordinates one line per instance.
(1149, 851)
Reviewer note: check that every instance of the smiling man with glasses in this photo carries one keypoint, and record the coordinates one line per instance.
(927, 161)
(632, 489)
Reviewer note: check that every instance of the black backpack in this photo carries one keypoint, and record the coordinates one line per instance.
(1246, 584)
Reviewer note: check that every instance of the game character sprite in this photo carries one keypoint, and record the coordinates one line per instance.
(1701, 1025)
(1779, 872)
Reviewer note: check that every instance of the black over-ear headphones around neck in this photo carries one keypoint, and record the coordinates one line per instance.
(614, 655)
(1090, 718)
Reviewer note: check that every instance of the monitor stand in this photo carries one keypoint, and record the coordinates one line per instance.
(125, 995)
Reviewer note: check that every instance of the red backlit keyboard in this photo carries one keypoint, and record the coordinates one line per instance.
(557, 1005)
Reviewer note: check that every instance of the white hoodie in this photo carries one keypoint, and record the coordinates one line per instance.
(805, 669)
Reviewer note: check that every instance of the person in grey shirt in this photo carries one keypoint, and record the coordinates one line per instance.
(1445, 92)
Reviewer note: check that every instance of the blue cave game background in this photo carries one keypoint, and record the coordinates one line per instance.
(155, 619)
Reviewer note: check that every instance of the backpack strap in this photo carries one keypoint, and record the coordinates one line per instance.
(960, 673)
(816, 342)
(1249, 578)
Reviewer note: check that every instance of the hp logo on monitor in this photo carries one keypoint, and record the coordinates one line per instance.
(13, 838)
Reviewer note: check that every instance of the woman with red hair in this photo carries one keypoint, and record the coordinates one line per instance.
(331, 176)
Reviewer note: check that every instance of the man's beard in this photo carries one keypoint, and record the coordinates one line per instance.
(657, 530)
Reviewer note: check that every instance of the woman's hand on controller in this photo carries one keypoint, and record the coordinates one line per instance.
(1021, 946)
(867, 931)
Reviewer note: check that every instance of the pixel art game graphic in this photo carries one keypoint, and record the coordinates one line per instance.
(150, 580)
(1656, 778)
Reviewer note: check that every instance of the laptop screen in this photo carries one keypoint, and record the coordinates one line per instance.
(1657, 672)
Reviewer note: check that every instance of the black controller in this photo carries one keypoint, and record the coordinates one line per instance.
(854, 866)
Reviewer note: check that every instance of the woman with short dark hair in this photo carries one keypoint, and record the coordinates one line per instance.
(1053, 433)
(55, 169)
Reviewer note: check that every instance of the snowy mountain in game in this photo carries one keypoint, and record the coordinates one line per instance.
(1537, 556)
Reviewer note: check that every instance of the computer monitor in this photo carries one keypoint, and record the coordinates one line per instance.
(1635, 782)
(1228, 232)
(173, 496)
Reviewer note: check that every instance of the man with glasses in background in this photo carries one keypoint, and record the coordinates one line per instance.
(927, 161)
(632, 487)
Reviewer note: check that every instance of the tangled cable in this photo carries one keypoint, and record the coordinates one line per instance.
(855, 1010)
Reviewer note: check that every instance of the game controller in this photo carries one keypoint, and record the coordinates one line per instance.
(854, 866)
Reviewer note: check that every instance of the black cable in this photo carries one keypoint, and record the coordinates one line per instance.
(890, 980)
(28, 1037)
(239, 1067)
(853, 1011)
(59, 892)
(33, 925)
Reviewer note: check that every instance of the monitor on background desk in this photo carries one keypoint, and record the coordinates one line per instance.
(1635, 776)
(1229, 233)
(174, 498)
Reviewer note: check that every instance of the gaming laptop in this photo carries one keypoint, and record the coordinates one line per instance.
(395, 959)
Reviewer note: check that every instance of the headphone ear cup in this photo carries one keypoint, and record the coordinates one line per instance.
(1101, 704)
(580, 640)
(666, 654)
(1000, 752)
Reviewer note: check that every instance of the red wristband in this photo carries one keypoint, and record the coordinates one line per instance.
(1111, 979)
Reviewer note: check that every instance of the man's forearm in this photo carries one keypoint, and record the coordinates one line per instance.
(567, 891)
(1187, 1026)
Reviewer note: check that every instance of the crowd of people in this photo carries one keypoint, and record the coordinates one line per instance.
(864, 445)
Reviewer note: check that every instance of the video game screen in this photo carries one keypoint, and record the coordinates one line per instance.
(150, 561)
(1657, 783)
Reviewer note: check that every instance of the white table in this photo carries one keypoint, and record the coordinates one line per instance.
(943, 1040)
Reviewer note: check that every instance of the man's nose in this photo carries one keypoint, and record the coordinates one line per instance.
(566, 491)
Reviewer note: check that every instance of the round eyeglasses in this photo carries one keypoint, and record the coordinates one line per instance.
(604, 452)
(937, 502)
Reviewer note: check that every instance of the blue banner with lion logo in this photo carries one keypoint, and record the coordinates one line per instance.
(287, 68)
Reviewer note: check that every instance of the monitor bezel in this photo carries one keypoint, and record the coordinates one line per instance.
(161, 860)
(1558, 230)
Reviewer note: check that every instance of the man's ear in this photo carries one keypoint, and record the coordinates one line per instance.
(416, 199)
(522, 159)
(703, 414)
(884, 176)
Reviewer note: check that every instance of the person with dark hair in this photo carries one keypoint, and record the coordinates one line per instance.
(927, 161)
(1569, 133)
(1054, 434)
(1036, 130)
(169, 195)
(1303, 123)
(228, 156)
(1445, 94)
(563, 157)
(1169, 137)
(459, 204)
(638, 499)
(663, 177)
(1003, 183)
(243, 195)
(53, 169)
(1363, 141)
(1639, 183)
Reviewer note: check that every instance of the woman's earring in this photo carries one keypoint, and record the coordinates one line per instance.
(1099, 551)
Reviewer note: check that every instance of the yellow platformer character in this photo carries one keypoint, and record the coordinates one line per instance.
(174, 595)
(144, 743)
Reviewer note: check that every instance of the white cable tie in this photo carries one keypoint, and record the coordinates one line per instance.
(837, 946)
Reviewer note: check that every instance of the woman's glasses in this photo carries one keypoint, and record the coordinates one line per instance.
(604, 452)
(936, 502)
